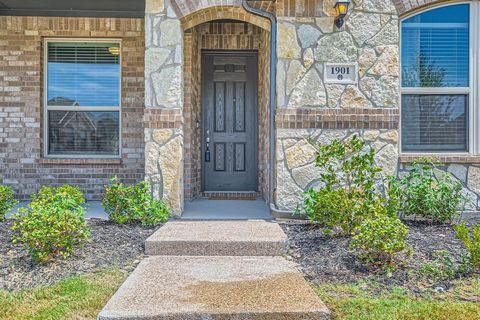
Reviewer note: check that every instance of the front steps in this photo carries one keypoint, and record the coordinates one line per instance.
(218, 238)
(216, 270)
(201, 287)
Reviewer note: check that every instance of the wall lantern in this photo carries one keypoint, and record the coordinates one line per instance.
(341, 7)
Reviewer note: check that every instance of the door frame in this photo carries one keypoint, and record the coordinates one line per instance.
(237, 53)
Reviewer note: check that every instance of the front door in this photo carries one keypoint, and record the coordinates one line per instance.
(229, 130)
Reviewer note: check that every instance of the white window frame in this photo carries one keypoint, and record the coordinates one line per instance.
(472, 92)
(47, 108)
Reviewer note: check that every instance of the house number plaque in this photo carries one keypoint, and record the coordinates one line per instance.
(342, 73)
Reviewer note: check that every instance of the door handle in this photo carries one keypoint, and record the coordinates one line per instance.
(207, 147)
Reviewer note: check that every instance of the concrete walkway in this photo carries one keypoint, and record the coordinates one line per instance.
(216, 270)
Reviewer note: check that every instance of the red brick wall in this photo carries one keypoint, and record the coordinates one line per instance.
(21, 127)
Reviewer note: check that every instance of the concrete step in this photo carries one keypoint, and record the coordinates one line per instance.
(218, 238)
(214, 288)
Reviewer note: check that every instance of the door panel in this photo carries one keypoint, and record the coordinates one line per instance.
(229, 129)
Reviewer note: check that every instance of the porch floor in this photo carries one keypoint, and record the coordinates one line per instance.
(204, 209)
(94, 210)
(199, 209)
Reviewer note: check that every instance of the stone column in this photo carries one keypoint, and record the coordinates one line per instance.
(164, 103)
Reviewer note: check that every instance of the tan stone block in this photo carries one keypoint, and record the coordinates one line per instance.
(474, 179)
(171, 165)
(154, 6)
(354, 98)
(326, 24)
(287, 46)
(391, 136)
(161, 136)
(300, 154)
(371, 135)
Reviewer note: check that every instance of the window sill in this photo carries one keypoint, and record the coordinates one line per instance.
(442, 158)
(64, 161)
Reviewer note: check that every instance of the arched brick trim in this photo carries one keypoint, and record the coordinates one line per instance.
(184, 8)
(406, 6)
(223, 12)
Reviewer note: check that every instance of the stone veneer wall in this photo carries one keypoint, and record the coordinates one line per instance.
(164, 100)
(22, 165)
(310, 108)
(306, 106)
(370, 36)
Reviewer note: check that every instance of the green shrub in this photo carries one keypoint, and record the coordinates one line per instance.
(471, 242)
(7, 201)
(133, 203)
(53, 223)
(379, 238)
(444, 267)
(424, 194)
(348, 194)
(47, 193)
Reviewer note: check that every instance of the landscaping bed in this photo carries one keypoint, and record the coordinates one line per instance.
(327, 259)
(111, 245)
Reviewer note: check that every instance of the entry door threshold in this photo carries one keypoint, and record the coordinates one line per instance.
(230, 195)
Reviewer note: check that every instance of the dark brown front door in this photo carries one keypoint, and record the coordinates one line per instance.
(229, 130)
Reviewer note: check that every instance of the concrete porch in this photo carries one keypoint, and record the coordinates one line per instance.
(216, 270)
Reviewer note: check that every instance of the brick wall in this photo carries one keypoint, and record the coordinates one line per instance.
(21, 135)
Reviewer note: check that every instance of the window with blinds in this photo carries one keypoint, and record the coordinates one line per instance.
(435, 80)
(82, 92)
(434, 122)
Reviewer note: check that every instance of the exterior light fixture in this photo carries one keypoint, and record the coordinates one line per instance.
(341, 7)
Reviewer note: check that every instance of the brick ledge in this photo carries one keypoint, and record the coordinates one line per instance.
(63, 161)
(442, 158)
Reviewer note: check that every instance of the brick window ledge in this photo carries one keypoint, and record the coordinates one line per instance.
(63, 161)
(442, 158)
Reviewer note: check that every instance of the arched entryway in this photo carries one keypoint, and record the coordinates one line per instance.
(176, 34)
(230, 34)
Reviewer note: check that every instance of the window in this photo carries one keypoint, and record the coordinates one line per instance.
(82, 98)
(436, 80)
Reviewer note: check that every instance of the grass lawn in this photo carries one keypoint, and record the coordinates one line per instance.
(80, 297)
(360, 302)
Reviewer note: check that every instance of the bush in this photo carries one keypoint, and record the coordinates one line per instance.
(52, 224)
(472, 243)
(380, 238)
(7, 201)
(133, 203)
(347, 195)
(425, 195)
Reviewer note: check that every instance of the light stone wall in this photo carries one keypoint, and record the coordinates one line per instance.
(296, 171)
(164, 166)
(163, 56)
(164, 154)
(467, 174)
(370, 36)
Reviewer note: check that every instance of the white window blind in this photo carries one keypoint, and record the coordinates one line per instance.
(84, 74)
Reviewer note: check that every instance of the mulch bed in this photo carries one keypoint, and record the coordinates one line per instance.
(111, 245)
(325, 259)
